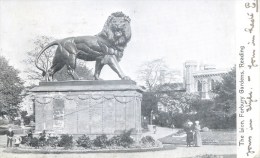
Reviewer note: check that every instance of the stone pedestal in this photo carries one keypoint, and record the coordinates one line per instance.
(88, 107)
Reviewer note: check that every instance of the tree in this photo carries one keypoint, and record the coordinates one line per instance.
(177, 101)
(45, 61)
(225, 100)
(11, 87)
(149, 103)
(155, 73)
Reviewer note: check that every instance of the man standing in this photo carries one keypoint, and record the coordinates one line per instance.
(189, 131)
(10, 135)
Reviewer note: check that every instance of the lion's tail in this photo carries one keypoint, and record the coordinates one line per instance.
(40, 53)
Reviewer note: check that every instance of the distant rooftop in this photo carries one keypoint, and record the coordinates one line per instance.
(210, 72)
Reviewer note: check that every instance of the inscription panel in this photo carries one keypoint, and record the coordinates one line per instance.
(83, 116)
(48, 108)
(130, 113)
(109, 116)
(70, 117)
(39, 117)
(58, 115)
(120, 114)
(96, 115)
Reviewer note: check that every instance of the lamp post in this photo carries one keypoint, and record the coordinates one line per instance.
(151, 118)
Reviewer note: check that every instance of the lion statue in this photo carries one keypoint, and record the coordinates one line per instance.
(107, 47)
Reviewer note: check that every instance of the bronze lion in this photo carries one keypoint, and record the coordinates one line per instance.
(107, 47)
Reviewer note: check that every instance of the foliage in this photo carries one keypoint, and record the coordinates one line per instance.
(226, 93)
(203, 105)
(17, 122)
(66, 141)
(52, 141)
(148, 141)
(163, 119)
(125, 139)
(114, 141)
(177, 101)
(84, 141)
(101, 141)
(25, 139)
(11, 87)
(34, 142)
(217, 120)
(149, 103)
(3, 130)
(170, 96)
(179, 119)
(27, 119)
(45, 61)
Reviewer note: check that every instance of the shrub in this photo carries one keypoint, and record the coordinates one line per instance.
(25, 140)
(84, 141)
(217, 120)
(17, 122)
(3, 130)
(101, 141)
(66, 141)
(180, 119)
(114, 141)
(34, 142)
(52, 141)
(125, 139)
(148, 141)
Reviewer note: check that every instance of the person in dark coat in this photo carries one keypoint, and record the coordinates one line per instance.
(189, 132)
(10, 135)
(30, 137)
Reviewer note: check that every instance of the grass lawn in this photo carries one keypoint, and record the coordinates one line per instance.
(208, 138)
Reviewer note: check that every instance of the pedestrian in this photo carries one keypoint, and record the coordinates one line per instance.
(172, 126)
(197, 135)
(189, 131)
(154, 129)
(30, 137)
(10, 135)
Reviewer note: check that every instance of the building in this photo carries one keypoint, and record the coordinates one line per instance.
(201, 78)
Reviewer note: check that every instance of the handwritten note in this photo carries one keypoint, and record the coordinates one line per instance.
(248, 69)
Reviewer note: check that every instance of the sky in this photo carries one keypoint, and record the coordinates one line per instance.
(175, 30)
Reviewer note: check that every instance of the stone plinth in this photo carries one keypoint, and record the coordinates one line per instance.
(88, 107)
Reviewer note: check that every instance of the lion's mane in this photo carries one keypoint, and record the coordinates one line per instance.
(109, 31)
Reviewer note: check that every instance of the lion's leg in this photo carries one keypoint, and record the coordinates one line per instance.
(71, 63)
(71, 66)
(55, 68)
(98, 68)
(113, 63)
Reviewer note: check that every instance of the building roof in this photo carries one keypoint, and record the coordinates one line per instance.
(210, 72)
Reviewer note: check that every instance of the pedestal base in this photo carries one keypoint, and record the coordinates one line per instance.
(88, 107)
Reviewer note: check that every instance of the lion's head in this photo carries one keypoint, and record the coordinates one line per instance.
(117, 30)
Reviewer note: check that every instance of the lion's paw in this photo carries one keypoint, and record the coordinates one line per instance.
(126, 78)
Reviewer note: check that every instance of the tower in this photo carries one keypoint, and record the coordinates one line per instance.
(189, 68)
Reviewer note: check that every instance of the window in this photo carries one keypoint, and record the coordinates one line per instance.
(199, 89)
